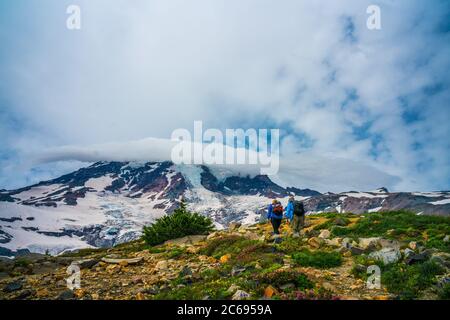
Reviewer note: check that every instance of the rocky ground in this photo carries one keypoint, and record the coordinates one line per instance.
(239, 263)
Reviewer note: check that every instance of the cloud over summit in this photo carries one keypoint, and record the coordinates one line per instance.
(311, 68)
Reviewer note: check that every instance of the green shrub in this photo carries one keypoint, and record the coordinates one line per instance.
(290, 245)
(317, 259)
(444, 293)
(176, 225)
(224, 245)
(409, 281)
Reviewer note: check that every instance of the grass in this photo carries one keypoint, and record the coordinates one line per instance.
(244, 252)
(332, 222)
(407, 282)
(317, 259)
(400, 225)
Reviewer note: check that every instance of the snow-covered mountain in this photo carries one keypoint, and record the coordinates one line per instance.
(109, 203)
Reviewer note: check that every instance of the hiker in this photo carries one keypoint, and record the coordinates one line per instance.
(295, 212)
(275, 215)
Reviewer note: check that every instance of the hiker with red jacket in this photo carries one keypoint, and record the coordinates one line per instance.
(275, 215)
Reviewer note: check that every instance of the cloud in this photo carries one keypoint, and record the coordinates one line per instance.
(302, 170)
(337, 90)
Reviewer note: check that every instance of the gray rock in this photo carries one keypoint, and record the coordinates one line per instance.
(87, 263)
(419, 257)
(386, 255)
(24, 294)
(66, 295)
(13, 286)
(368, 244)
(441, 258)
(446, 238)
(356, 251)
(360, 268)
(407, 253)
(240, 295)
(386, 243)
(237, 270)
(346, 243)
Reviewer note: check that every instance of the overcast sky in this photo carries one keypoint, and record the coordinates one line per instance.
(356, 107)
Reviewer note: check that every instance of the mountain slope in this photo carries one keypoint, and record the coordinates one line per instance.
(108, 203)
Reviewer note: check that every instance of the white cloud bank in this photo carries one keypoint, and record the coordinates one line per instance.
(141, 68)
(303, 170)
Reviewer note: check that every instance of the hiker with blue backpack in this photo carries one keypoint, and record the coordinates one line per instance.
(295, 213)
(275, 215)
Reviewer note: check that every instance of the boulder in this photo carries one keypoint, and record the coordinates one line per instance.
(240, 295)
(24, 294)
(328, 286)
(407, 253)
(346, 243)
(162, 265)
(194, 239)
(13, 286)
(356, 251)
(386, 255)
(233, 288)
(419, 257)
(234, 225)
(325, 234)
(441, 258)
(66, 295)
(86, 263)
(237, 270)
(315, 242)
(269, 292)
(446, 238)
(122, 261)
(335, 242)
(386, 243)
(368, 244)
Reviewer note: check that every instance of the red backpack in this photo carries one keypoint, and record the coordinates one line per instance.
(278, 209)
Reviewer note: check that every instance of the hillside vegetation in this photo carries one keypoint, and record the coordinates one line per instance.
(329, 260)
